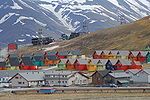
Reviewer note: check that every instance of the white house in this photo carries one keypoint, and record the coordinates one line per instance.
(140, 76)
(79, 79)
(27, 79)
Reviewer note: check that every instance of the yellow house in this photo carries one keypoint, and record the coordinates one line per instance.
(113, 54)
(95, 64)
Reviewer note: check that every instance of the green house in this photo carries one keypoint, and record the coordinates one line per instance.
(38, 59)
(148, 58)
(62, 64)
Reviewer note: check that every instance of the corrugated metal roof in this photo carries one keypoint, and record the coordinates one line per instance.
(103, 61)
(98, 52)
(135, 53)
(72, 61)
(123, 53)
(119, 75)
(114, 52)
(27, 61)
(52, 57)
(82, 61)
(125, 62)
(133, 71)
(144, 53)
(33, 76)
(14, 61)
(106, 52)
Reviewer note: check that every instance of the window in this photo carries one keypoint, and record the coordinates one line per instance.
(19, 82)
(59, 81)
(16, 77)
(22, 82)
(62, 81)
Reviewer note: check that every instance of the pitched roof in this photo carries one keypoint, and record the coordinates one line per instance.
(72, 61)
(27, 61)
(98, 52)
(144, 53)
(114, 52)
(14, 61)
(95, 61)
(137, 63)
(103, 73)
(103, 61)
(123, 53)
(38, 57)
(75, 52)
(133, 71)
(63, 61)
(106, 52)
(63, 53)
(125, 62)
(52, 53)
(52, 57)
(119, 75)
(54, 72)
(3, 64)
(147, 71)
(113, 61)
(135, 53)
(32, 76)
(82, 61)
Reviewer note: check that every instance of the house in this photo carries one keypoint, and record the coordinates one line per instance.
(142, 76)
(148, 57)
(136, 65)
(105, 54)
(133, 55)
(62, 64)
(110, 65)
(27, 64)
(134, 77)
(123, 64)
(92, 65)
(38, 59)
(119, 78)
(113, 54)
(51, 60)
(3, 65)
(79, 79)
(27, 79)
(14, 63)
(58, 78)
(142, 56)
(122, 54)
(70, 64)
(97, 54)
(74, 54)
(62, 54)
(99, 77)
(81, 64)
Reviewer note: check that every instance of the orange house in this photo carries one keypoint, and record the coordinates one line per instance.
(70, 64)
(51, 60)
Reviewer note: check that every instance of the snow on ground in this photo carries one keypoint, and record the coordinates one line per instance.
(51, 48)
(6, 17)
(1, 30)
(52, 67)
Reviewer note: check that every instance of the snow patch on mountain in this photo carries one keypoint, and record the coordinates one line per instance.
(15, 6)
(1, 30)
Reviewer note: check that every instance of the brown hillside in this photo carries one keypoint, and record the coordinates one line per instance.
(133, 36)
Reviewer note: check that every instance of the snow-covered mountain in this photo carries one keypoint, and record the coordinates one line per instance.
(21, 19)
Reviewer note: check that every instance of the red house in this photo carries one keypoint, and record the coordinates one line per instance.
(142, 56)
(136, 65)
(123, 64)
(12, 47)
(81, 64)
(97, 54)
